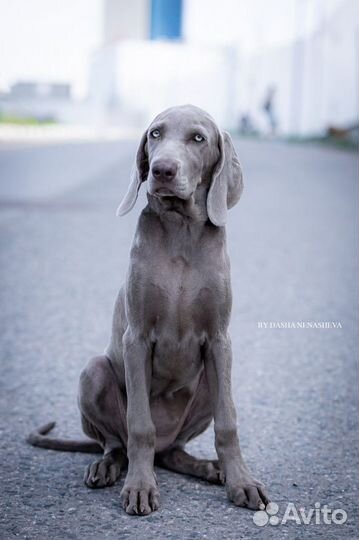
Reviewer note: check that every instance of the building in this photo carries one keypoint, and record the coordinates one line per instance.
(144, 65)
(152, 58)
(316, 77)
(36, 90)
(40, 101)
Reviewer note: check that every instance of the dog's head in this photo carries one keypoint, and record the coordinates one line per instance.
(181, 150)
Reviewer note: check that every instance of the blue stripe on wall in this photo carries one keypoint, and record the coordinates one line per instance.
(166, 19)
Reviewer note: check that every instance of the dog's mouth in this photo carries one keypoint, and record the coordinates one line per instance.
(164, 193)
(176, 189)
(169, 200)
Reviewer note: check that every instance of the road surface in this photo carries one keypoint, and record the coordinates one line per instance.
(294, 260)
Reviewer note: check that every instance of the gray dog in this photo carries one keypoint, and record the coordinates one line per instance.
(167, 370)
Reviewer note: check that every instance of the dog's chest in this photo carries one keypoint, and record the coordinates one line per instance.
(182, 312)
(179, 294)
(181, 300)
(175, 363)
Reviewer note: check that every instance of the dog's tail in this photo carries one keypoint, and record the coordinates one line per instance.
(39, 438)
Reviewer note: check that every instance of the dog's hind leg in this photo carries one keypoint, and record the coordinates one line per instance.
(198, 419)
(103, 417)
(178, 460)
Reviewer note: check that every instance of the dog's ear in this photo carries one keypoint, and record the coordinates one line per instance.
(227, 182)
(138, 175)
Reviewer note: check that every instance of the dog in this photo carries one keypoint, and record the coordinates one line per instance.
(166, 373)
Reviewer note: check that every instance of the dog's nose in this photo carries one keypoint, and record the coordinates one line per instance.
(164, 170)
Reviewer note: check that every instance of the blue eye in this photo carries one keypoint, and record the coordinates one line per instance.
(198, 138)
(155, 133)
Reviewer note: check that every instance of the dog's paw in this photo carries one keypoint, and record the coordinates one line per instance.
(213, 472)
(247, 492)
(139, 497)
(102, 473)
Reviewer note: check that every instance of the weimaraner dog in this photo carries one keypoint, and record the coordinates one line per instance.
(167, 370)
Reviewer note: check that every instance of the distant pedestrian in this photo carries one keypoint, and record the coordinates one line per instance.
(269, 109)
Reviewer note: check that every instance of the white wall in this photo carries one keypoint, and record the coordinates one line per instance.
(124, 19)
(138, 79)
(316, 77)
(330, 90)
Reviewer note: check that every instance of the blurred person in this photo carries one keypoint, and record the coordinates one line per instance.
(269, 109)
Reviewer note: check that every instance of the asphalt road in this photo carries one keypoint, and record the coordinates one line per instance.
(292, 241)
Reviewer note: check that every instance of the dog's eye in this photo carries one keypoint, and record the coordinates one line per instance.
(155, 133)
(198, 138)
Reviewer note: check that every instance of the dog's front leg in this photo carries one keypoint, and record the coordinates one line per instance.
(241, 487)
(140, 493)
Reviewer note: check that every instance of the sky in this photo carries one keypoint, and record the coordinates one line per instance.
(48, 40)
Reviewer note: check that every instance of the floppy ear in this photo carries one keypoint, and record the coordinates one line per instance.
(138, 175)
(227, 182)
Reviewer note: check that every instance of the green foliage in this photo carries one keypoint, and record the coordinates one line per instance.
(24, 121)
